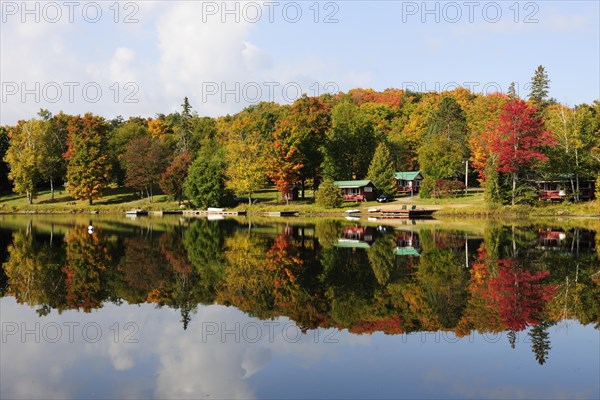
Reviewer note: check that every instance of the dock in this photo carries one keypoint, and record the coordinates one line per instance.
(410, 214)
(280, 214)
(136, 212)
(206, 212)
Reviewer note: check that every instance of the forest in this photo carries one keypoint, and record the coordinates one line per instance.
(509, 143)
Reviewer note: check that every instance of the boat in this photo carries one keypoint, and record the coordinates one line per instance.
(215, 210)
(352, 218)
(354, 211)
(373, 210)
(136, 212)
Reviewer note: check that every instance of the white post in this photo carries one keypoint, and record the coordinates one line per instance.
(466, 176)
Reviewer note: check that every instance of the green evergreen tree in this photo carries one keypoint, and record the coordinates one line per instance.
(512, 92)
(444, 147)
(539, 87)
(540, 341)
(382, 171)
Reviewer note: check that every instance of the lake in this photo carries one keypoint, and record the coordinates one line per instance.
(167, 307)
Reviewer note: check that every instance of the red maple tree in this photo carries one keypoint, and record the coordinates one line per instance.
(284, 161)
(518, 139)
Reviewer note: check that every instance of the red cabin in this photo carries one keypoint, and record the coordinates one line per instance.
(362, 190)
(408, 182)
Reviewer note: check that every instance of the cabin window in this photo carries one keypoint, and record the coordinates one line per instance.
(368, 189)
(354, 191)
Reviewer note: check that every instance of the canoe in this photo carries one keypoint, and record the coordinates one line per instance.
(352, 211)
(373, 210)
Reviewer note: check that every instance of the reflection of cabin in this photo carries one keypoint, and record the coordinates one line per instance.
(407, 244)
(362, 190)
(571, 240)
(364, 233)
(357, 237)
(408, 181)
(560, 189)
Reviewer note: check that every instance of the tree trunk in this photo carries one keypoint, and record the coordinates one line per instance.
(151, 197)
(576, 175)
(51, 189)
(30, 197)
(576, 187)
(249, 199)
(90, 201)
(514, 187)
(302, 182)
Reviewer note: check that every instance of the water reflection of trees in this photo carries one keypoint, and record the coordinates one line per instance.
(373, 279)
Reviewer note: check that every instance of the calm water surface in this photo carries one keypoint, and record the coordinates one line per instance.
(190, 308)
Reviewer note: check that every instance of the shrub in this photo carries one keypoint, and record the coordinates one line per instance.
(329, 195)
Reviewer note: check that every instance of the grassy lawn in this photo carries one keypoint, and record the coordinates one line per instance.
(118, 200)
(114, 200)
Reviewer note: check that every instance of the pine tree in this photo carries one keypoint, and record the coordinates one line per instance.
(540, 341)
(184, 131)
(539, 87)
(381, 169)
(512, 92)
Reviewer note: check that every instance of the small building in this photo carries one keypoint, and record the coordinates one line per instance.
(561, 188)
(292, 194)
(408, 181)
(361, 190)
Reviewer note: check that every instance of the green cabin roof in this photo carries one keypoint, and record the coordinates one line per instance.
(352, 244)
(406, 251)
(407, 175)
(353, 184)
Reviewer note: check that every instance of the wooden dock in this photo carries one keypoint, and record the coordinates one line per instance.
(205, 212)
(408, 214)
(280, 214)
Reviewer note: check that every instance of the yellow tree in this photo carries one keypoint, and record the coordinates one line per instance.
(245, 159)
(24, 155)
(89, 166)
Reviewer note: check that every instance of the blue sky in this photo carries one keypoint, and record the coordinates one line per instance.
(176, 49)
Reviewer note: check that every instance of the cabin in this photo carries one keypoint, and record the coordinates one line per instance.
(561, 188)
(361, 190)
(408, 181)
(292, 194)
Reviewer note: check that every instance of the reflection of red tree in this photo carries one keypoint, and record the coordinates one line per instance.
(171, 246)
(481, 312)
(519, 294)
(390, 326)
(282, 264)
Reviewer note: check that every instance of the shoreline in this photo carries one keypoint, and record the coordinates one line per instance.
(440, 213)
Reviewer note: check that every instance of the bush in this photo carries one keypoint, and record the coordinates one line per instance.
(329, 195)
(427, 188)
